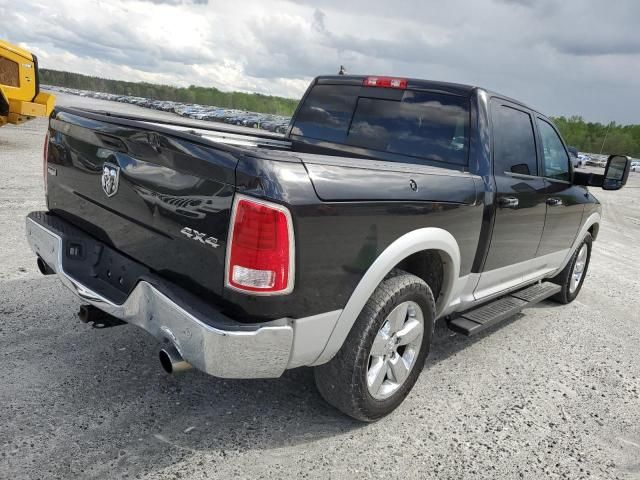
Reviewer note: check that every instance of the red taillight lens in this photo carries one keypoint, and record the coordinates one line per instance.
(44, 161)
(260, 251)
(385, 82)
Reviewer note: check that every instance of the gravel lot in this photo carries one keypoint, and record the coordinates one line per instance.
(554, 393)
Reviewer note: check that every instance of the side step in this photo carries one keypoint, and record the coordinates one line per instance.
(476, 320)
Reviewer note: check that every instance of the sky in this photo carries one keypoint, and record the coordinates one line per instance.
(562, 57)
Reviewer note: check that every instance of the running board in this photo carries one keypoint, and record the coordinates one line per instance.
(479, 319)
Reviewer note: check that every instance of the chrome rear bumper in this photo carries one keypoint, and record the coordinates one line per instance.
(211, 342)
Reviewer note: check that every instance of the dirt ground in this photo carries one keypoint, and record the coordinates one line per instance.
(554, 393)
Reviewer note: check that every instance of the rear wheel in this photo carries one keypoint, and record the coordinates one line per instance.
(572, 276)
(383, 355)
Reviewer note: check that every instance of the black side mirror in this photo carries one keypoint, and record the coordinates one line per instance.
(616, 173)
(614, 178)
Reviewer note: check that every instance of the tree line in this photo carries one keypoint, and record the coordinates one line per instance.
(253, 102)
(597, 137)
(585, 136)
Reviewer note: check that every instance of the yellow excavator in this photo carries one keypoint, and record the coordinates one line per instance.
(20, 95)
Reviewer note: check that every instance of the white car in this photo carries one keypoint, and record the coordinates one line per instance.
(635, 166)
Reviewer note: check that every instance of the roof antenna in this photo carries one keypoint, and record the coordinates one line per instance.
(342, 70)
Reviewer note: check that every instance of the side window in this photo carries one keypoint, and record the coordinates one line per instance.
(514, 145)
(556, 161)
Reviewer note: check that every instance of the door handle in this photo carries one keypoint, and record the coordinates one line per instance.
(554, 202)
(508, 202)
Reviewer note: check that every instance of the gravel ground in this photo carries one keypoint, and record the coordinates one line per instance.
(554, 393)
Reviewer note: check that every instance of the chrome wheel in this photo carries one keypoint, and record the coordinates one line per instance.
(578, 268)
(395, 350)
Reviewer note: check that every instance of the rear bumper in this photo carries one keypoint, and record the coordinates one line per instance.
(205, 338)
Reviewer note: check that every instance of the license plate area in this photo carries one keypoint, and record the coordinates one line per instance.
(101, 268)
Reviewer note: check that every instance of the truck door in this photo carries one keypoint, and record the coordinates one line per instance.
(565, 202)
(519, 200)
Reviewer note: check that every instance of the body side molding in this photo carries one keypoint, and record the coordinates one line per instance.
(415, 241)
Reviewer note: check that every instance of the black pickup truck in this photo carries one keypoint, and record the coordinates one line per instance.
(388, 204)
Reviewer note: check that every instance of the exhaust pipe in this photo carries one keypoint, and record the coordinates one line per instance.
(98, 318)
(172, 361)
(44, 268)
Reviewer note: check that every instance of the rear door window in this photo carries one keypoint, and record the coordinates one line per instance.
(514, 145)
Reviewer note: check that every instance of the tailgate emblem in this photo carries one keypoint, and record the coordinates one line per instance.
(200, 237)
(110, 179)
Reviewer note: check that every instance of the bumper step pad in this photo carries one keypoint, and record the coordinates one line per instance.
(475, 321)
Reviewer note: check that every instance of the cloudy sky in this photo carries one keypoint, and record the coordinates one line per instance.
(564, 57)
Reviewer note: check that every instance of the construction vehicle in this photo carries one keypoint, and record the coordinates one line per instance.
(20, 95)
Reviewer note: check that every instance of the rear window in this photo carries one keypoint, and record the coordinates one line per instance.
(424, 125)
(326, 113)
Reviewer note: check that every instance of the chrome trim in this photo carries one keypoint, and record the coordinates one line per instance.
(241, 139)
(292, 246)
(261, 352)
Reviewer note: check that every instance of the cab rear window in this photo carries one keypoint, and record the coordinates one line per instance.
(422, 125)
(327, 112)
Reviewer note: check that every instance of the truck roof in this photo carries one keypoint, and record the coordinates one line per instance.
(419, 84)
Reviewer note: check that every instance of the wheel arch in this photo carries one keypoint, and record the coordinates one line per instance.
(591, 226)
(429, 239)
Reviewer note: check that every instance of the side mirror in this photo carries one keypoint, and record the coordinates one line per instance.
(614, 178)
(616, 173)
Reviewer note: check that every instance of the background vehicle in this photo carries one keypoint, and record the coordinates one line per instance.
(20, 95)
(389, 203)
(584, 159)
(596, 162)
(575, 158)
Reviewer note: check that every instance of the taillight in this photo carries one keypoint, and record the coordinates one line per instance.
(385, 82)
(260, 250)
(44, 161)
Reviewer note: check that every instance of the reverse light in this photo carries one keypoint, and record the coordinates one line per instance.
(260, 250)
(385, 82)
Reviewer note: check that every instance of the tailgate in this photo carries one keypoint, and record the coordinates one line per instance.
(161, 199)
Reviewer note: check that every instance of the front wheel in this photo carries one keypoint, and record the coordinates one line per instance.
(572, 276)
(385, 350)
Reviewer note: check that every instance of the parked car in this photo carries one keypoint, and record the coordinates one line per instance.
(584, 158)
(573, 155)
(390, 203)
(635, 166)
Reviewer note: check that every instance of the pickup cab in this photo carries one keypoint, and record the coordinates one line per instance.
(389, 203)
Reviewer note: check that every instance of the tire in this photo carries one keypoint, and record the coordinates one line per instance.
(343, 381)
(564, 278)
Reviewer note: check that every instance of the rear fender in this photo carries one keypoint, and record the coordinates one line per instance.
(410, 243)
